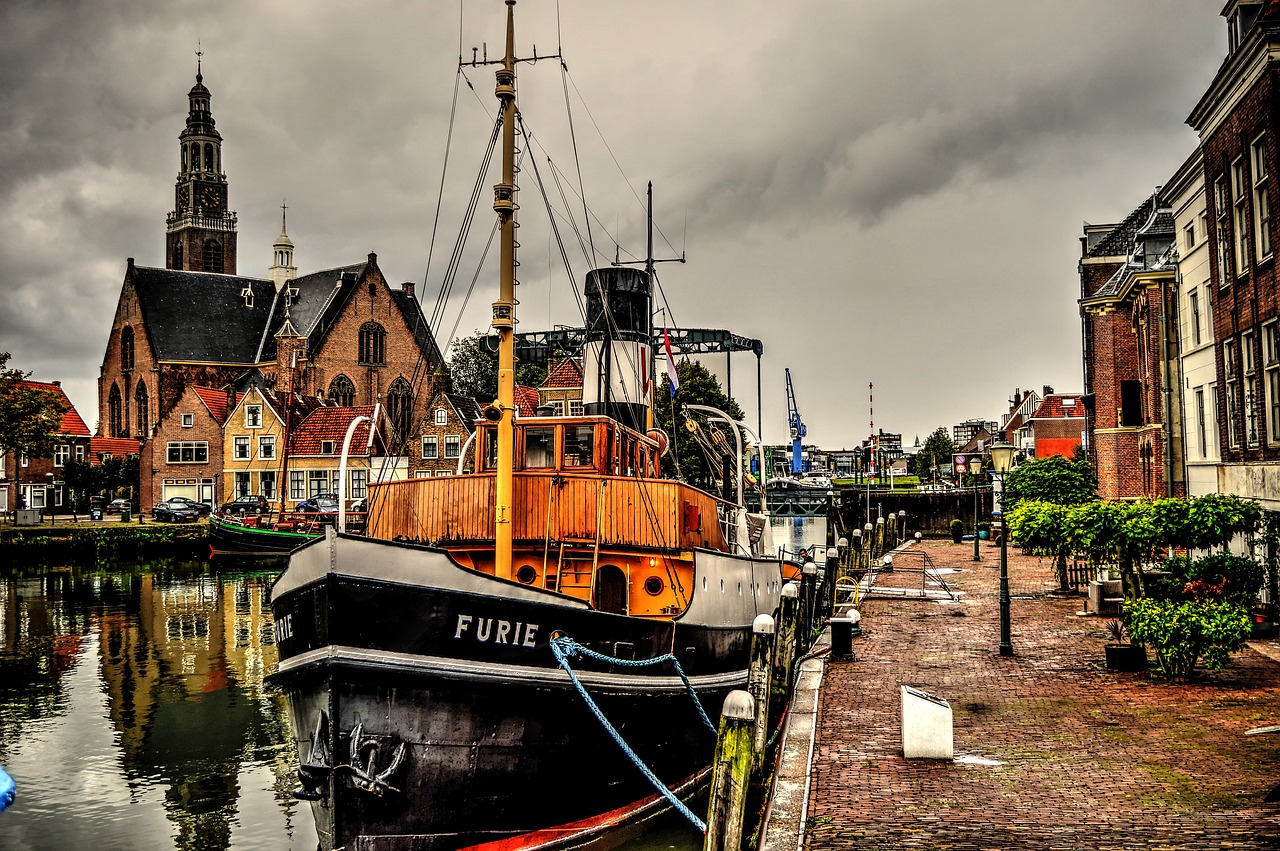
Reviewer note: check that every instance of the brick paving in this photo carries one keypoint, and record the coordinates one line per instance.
(1088, 759)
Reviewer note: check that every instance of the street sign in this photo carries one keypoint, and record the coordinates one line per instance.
(959, 464)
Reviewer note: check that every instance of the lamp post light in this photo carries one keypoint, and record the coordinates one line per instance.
(977, 556)
(48, 495)
(1002, 460)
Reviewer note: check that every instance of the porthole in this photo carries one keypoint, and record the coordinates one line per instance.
(526, 574)
(653, 586)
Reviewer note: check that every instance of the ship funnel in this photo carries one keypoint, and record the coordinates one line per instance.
(617, 359)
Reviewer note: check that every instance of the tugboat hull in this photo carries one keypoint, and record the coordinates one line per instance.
(430, 712)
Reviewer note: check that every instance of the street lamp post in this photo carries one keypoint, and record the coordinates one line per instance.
(1001, 460)
(977, 556)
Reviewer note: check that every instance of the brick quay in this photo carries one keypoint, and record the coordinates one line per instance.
(1053, 751)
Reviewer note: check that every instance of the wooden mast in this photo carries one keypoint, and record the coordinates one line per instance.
(504, 308)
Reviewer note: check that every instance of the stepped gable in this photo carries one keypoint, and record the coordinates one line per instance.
(330, 424)
(202, 317)
(320, 299)
(71, 420)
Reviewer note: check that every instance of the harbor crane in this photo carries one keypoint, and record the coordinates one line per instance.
(798, 431)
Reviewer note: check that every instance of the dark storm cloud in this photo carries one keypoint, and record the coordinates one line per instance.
(834, 164)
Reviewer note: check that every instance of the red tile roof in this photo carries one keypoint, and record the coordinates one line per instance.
(1060, 406)
(526, 401)
(331, 424)
(116, 447)
(567, 373)
(215, 401)
(71, 422)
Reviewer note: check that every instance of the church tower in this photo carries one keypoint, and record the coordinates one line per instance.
(282, 270)
(201, 232)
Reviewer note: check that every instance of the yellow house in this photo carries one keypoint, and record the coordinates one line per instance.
(254, 441)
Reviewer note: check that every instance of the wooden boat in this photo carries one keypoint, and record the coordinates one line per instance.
(422, 662)
(249, 535)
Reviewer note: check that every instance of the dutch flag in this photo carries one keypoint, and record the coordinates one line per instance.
(671, 363)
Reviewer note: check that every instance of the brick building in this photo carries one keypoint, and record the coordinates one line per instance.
(315, 453)
(1057, 425)
(1236, 123)
(185, 452)
(36, 482)
(562, 389)
(344, 334)
(1132, 428)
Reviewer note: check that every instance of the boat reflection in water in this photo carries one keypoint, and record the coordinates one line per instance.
(133, 712)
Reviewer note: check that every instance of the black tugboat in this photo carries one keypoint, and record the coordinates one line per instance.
(430, 707)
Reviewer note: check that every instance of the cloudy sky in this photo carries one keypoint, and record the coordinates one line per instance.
(884, 192)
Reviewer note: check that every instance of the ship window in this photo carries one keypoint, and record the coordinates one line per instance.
(526, 574)
(579, 446)
(653, 586)
(539, 448)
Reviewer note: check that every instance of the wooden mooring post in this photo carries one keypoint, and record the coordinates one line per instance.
(784, 645)
(759, 675)
(731, 774)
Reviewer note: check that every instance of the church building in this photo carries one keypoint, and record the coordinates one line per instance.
(351, 338)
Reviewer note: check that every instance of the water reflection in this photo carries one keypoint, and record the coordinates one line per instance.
(133, 712)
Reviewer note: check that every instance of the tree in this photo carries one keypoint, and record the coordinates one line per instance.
(473, 368)
(1054, 479)
(698, 386)
(935, 455)
(29, 416)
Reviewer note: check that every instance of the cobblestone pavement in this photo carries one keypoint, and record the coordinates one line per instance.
(1087, 758)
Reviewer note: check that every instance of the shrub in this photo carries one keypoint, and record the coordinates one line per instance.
(1184, 632)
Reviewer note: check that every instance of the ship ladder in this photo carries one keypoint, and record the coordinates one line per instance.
(566, 648)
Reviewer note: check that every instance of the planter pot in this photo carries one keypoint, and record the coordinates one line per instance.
(1126, 657)
(1264, 622)
(955, 536)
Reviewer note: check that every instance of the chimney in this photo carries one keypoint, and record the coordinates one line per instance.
(407, 286)
(1047, 390)
(56, 383)
(231, 398)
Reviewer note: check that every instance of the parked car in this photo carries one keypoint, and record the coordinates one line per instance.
(242, 505)
(174, 511)
(204, 508)
(324, 506)
(118, 505)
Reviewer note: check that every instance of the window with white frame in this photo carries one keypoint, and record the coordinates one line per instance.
(267, 447)
(1212, 393)
(61, 454)
(1189, 235)
(297, 484)
(1239, 221)
(188, 420)
(253, 416)
(24, 459)
(359, 480)
(242, 484)
(317, 482)
(187, 452)
(1193, 315)
(442, 416)
(1232, 392)
(240, 448)
(1271, 367)
(1202, 433)
(1223, 231)
(1248, 360)
(1261, 201)
(575, 408)
(267, 484)
(452, 446)
(430, 446)
(79, 455)
(33, 496)
(558, 407)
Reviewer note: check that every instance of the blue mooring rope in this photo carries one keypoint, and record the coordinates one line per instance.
(566, 648)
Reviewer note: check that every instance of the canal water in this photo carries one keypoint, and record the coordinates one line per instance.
(133, 712)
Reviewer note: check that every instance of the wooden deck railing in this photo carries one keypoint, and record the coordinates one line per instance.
(661, 514)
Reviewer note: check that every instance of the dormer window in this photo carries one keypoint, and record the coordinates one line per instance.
(247, 295)
(442, 416)
(328, 447)
(253, 416)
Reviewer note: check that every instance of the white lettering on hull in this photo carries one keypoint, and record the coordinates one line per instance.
(486, 630)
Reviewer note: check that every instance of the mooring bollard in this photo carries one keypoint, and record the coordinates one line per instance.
(730, 774)
(758, 676)
(880, 537)
(808, 599)
(891, 531)
(869, 543)
(784, 645)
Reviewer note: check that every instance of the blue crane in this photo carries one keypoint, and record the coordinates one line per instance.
(798, 431)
